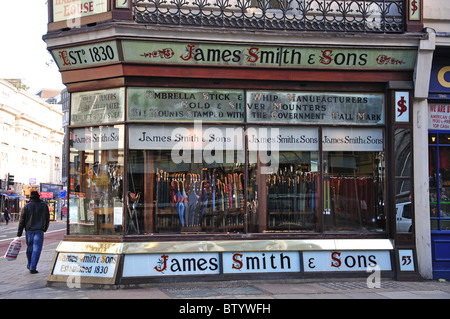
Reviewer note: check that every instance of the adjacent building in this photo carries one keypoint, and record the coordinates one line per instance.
(436, 19)
(31, 142)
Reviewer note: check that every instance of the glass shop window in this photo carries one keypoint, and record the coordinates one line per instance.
(439, 170)
(354, 180)
(96, 180)
(403, 180)
(283, 188)
(289, 194)
(184, 179)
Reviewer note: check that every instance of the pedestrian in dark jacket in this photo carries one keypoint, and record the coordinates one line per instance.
(6, 214)
(35, 219)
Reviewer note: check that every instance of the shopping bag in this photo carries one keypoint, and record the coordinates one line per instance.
(13, 249)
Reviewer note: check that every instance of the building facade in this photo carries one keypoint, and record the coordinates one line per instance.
(439, 139)
(243, 139)
(30, 144)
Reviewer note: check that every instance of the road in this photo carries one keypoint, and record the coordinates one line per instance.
(55, 233)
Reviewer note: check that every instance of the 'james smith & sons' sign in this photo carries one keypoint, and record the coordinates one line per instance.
(265, 56)
(235, 55)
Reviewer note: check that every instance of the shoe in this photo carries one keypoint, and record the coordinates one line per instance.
(33, 271)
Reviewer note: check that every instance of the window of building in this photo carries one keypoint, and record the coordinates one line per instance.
(292, 162)
(96, 180)
(439, 162)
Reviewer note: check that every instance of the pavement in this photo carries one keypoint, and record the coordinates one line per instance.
(17, 283)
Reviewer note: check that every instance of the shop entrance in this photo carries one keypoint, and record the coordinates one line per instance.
(439, 155)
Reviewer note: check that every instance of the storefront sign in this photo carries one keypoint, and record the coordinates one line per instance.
(182, 264)
(283, 139)
(85, 265)
(97, 138)
(352, 139)
(46, 195)
(149, 265)
(312, 107)
(65, 10)
(402, 107)
(332, 261)
(440, 78)
(261, 262)
(179, 105)
(439, 117)
(86, 55)
(265, 56)
(197, 137)
(98, 107)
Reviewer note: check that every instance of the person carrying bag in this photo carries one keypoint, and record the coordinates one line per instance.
(35, 219)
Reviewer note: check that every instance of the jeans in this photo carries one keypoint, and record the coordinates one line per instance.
(35, 239)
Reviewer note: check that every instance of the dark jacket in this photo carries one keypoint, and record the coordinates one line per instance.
(35, 216)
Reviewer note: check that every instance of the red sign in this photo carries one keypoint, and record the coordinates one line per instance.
(47, 195)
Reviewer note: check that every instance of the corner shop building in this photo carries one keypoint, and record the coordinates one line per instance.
(203, 154)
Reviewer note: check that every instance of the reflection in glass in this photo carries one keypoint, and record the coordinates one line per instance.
(439, 180)
(354, 191)
(190, 196)
(96, 175)
(402, 149)
(289, 195)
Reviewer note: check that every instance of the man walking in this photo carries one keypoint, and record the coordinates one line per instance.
(35, 219)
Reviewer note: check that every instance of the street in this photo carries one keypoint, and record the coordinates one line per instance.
(17, 283)
(55, 233)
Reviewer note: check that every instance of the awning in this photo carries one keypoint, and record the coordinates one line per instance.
(14, 196)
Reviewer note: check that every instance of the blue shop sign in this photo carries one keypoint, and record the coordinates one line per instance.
(440, 79)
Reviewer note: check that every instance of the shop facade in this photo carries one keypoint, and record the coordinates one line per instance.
(439, 150)
(220, 158)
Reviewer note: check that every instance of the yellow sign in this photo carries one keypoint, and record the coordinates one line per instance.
(441, 79)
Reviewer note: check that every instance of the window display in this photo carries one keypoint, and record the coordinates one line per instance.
(292, 193)
(353, 187)
(439, 152)
(187, 197)
(96, 180)
(190, 179)
(248, 175)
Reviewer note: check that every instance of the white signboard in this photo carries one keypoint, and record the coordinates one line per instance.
(283, 139)
(71, 9)
(97, 138)
(331, 261)
(352, 139)
(178, 264)
(86, 265)
(261, 262)
(197, 137)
